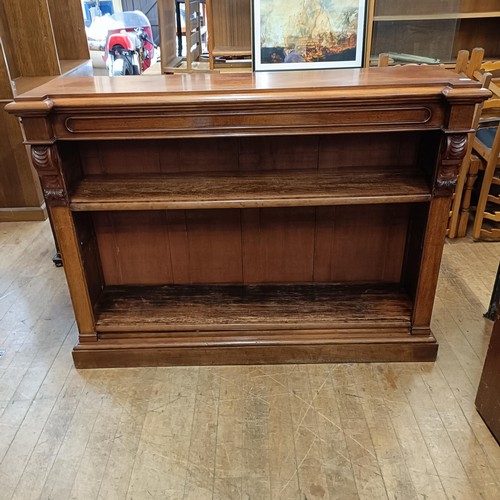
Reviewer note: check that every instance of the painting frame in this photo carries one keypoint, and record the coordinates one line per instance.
(317, 34)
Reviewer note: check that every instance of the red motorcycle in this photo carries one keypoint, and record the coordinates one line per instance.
(129, 47)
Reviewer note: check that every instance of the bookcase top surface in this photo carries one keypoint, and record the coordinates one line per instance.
(382, 80)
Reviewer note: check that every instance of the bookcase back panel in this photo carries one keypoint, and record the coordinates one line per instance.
(249, 153)
(262, 245)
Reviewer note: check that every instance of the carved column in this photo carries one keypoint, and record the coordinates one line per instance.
(47, 163)
(452, 154)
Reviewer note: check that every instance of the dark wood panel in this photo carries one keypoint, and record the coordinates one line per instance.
(479, 33)
(230, 25)
(178, 308)
(271, 153)
(360, 243)
(296, 188)
(423, 38)
(91, 262)
(488, 394)
(69, 29)
(6, 92)
(369, 150)
(251, 153)
(108, 158)
(153, 156)
(432, 251)
(184, 155)
(32, 39)
(115, 355)
(278, 245)
(168, 34)
(414, 244)
(213, 247)
(19, 186)
(163, 247)
(69, 246)
(8, 55)
(134, 247)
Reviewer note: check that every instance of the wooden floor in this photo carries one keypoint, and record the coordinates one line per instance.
(398, 431)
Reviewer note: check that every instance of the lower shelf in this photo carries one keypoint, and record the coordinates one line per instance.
(177, 308)
(253, 324)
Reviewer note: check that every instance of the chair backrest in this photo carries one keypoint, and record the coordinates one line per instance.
(193, 31)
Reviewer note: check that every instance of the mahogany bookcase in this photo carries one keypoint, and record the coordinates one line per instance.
(266, 218)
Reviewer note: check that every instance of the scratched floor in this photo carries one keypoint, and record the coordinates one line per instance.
(399, 431)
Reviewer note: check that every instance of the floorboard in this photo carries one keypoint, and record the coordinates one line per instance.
(402, 430)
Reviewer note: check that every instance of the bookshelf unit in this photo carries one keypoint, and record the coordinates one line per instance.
(268, 218)
(38, 41)
(433, 29)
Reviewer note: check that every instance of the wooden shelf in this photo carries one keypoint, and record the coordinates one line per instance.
(436, 17)
(269, 309)
(76, 67)
(265, 189)
(438, 30)
(231, 51)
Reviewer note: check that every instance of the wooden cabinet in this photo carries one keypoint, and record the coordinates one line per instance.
(38, 40)
(229, 29)
(432, 29)
(282, 217)
(168, 35)
(488, 394)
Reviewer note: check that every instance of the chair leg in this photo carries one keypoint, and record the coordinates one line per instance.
(465, 209)
(457, 199)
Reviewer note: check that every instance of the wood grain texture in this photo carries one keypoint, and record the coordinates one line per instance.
(23, 214)
(251, 190)
(89, 434)
(430, 261)
(379, 234)
(6, 92)
(229, 28)
(168, 32)
(8, 52)
(229, 307)
(316, 181)
(73, 267)
(19, 186)
(273, 245)
(31, 34)
(69, 30)
(278, 245)
(488, 399)
(425, 81)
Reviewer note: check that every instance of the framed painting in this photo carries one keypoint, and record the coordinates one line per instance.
(308, 34)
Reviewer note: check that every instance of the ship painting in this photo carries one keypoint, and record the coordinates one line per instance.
(307, 34)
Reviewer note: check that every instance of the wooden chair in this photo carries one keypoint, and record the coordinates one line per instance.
(468, 64)
(487, 145)
(192, 31)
